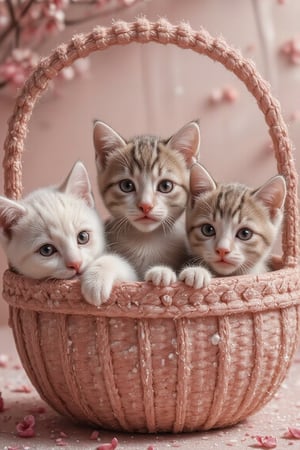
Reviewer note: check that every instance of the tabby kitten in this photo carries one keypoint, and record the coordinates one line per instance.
(144, 184)
(231, 228)
(55, 232)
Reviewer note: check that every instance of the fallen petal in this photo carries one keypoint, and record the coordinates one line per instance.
(294, 432)
(266, 441)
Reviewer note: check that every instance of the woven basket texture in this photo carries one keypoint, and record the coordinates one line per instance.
(158, 359)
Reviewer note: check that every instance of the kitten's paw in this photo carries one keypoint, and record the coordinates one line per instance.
(100, 277)
(161, 276)
(96, 285)
(196, 277)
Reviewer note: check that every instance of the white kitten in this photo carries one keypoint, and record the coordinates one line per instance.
(55, 232)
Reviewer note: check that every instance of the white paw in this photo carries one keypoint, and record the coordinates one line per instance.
(196, 277)
(98, 280)
(96, 285)
(161, 276)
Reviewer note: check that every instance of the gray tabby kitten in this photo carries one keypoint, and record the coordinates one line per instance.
(55, 232)
(144, 184)
(231, 228)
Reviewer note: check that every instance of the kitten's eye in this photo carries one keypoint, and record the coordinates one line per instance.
(208, 230)
(244, 234)
(83, 237)
(47, 250)
(127, 186)
(165, 186)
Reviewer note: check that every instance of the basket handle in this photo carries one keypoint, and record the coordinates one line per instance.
(162, 32)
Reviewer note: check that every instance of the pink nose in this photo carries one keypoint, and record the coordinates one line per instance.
(74, 265)
(145, 207)
(222, 251)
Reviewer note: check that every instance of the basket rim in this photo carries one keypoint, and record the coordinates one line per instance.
(278, 289)
(163, 32)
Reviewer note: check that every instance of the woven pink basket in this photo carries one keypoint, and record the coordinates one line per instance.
(172, 359)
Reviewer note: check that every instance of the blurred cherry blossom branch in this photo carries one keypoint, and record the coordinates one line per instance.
(26, 24)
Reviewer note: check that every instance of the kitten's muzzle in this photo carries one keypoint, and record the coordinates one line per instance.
(76, 265)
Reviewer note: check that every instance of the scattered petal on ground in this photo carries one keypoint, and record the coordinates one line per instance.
(293, 433)
(26, 428)
(266, 441)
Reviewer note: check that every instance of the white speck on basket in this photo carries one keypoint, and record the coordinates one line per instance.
(167, 300)
(132, 349)
(215, 339)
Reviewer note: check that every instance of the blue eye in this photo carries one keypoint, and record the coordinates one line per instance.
(165, 186)
(83, 237)
(208, 230)
(126, 186)
(47, 250)
(244, 234)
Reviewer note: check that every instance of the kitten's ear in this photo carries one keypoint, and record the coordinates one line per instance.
(106, 140)
(10, 213)
(200, 181)
(187, 142)
(272, 194)
(77, 183)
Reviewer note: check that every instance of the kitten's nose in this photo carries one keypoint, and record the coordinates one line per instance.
(145, 207)
(222, 251)
(74, 265)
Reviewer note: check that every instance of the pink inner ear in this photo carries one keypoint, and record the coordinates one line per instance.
(187, 142)
(78, 184)
(10, 213)
(106, 140)
(272, 194)
(200, 180)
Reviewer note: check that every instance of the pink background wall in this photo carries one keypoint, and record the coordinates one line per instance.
(158, 89)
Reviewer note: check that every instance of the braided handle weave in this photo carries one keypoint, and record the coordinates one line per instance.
(162, 32)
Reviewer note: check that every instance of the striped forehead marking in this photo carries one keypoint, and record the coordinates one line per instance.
(230, 203)
(145, 154)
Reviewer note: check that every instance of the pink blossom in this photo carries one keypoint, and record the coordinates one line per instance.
(94, 435)
(34, 24)
(266, 441)
(230, 94)
(291, 50)
(18, 66)
(112, 446)
(55, 17)
(25, 428)
(293, 433)
(224, 94)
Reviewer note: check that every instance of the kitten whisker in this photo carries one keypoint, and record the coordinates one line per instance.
(168, 225)
(120, 225)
